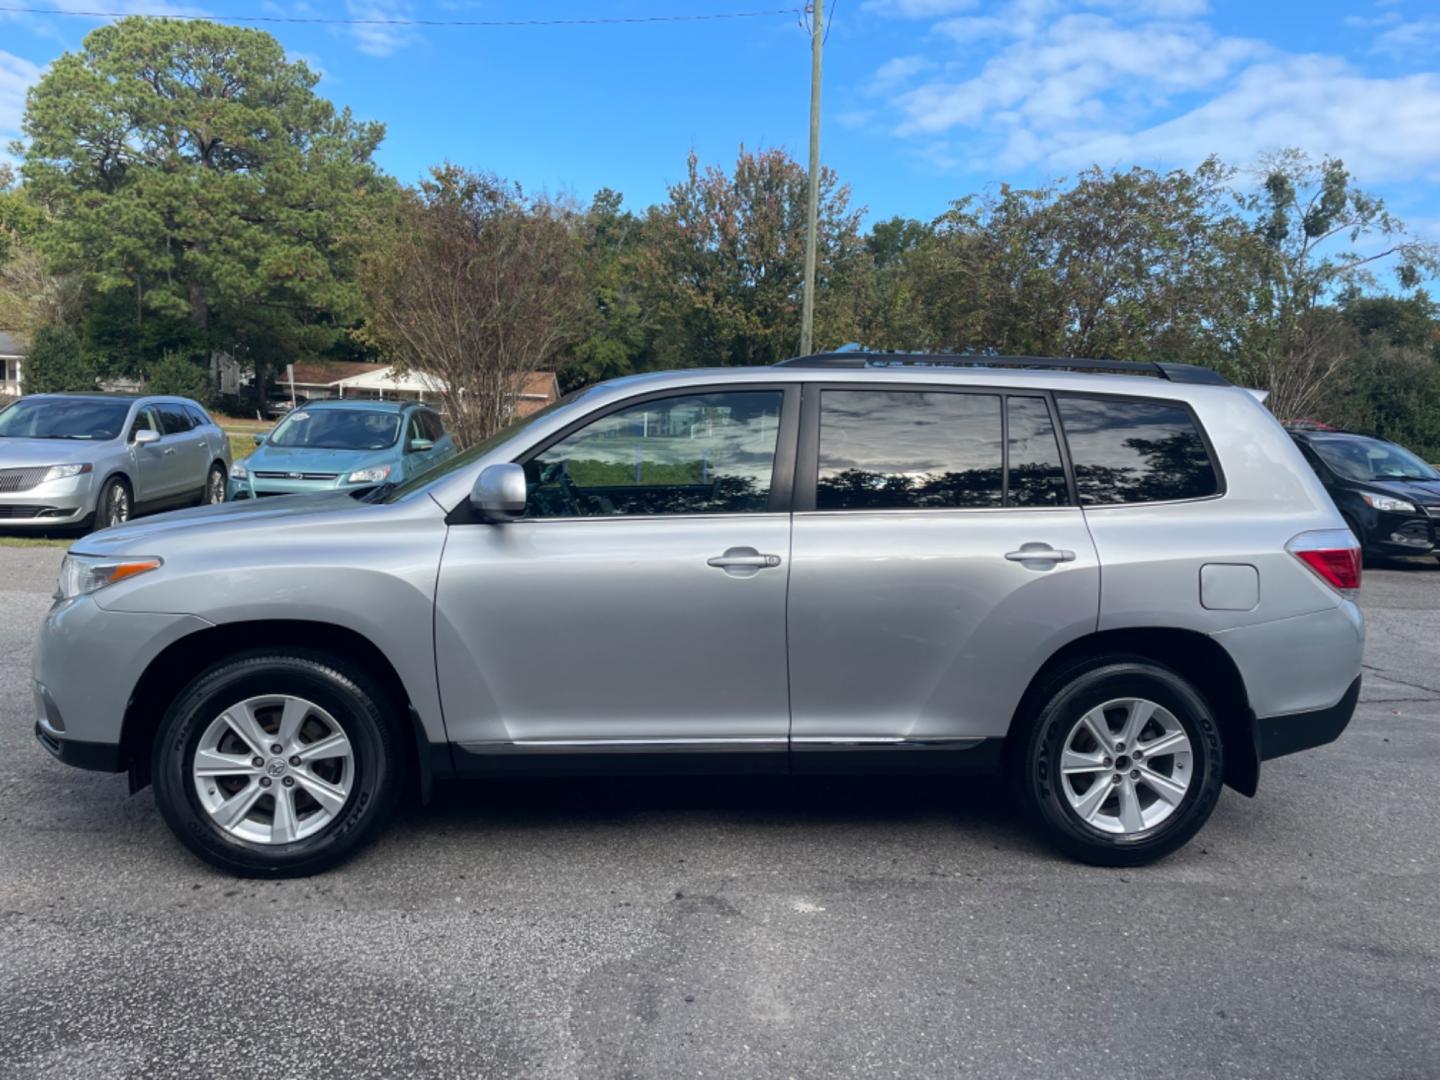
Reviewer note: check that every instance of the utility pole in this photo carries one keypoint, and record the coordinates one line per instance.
(812, 209)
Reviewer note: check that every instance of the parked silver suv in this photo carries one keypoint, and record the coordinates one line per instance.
(1119, 583)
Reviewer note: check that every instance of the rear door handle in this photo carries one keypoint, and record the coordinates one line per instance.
(1042, 553)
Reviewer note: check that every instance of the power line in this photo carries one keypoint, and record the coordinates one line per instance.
(615, 20)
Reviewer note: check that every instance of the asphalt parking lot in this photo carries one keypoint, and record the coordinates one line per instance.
(742, 928)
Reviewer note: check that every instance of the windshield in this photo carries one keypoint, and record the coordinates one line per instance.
(64, 418)
(1372, 459)
(337, 429)
(387, 494)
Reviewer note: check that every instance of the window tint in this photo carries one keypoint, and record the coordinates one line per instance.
(1127, 451)
(174, 420)
(1037, 478)
(431, 425)
(197, 416)
(698, 454)
(901, 449)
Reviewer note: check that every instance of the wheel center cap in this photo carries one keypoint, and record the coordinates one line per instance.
(1121, 764)
(277, 768)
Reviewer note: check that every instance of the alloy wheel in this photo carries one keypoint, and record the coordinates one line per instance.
(118, 505)
(273, 769)
(215, 487)
(1126, 766)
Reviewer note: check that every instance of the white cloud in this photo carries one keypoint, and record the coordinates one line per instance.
(917, 9)
(379, 38)
(1413, 36)
(1383, 128)
(16, 76)
(1061, 84)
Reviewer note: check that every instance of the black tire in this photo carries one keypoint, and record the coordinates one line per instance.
(115, 498)
(1061, 705)
(360, 708)
(207, 493)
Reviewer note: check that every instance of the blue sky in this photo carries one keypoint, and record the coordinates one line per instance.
(925, 100)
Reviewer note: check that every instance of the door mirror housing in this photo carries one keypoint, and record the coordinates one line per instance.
(146, 436)
(419, 445)
(259, 437)
(499, 492)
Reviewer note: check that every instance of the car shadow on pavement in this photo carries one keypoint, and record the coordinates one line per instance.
(982, 805)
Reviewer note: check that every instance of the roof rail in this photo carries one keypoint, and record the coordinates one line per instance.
(848, 358)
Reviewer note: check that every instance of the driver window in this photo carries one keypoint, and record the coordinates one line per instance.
(697, 454)
(144, 421)
(413, 430)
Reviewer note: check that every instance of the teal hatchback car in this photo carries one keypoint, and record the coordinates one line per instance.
(344, 445)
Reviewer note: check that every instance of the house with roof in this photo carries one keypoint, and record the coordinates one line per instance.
(317, 380)
(12, 356)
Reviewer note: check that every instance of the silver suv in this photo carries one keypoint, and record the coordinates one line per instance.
(1118, 583)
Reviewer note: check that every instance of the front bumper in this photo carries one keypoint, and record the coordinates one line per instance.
(1390, 533)
(87, 663)
(53, 505)
(253, 487)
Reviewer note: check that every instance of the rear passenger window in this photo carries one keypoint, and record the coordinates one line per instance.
(907, 449)
(1037, 478)
(197, 416)
(1128, 451)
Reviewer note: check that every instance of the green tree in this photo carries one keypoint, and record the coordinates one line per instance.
(57, 362)
(175, 373)
(1314, 236)
(197, 180)
(727, 262)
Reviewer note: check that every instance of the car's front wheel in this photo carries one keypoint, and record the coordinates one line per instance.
(277, 764)
(1122, 763)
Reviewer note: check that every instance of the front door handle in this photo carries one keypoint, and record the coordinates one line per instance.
(743, 561)
(169, 450)
(1035, 552)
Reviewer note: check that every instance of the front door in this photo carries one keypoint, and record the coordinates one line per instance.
(938, 559)
(639, 605)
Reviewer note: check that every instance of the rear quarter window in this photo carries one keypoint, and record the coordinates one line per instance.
(1129, 450)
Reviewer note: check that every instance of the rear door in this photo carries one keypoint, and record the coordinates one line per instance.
(938, 558)
(181, 450)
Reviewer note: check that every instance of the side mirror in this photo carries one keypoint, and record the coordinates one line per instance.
(259, 438)
(499, 492)
(418, 445)
(146, 436)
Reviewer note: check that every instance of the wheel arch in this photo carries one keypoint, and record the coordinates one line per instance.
(1198, 657)
(176, 666)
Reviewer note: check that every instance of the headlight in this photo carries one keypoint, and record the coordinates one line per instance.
(81, 574)
(239, 472)
(1386, 502)
(368, 476)
(64, 472)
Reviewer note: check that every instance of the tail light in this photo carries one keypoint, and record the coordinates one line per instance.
(1333, 555)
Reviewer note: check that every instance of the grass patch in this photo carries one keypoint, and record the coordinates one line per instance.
(36, 541)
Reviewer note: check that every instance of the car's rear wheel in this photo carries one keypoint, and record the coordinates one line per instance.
(215, 485)
(277, 764)
(1122, 763)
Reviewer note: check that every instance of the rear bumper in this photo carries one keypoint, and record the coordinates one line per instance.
(1281, 735)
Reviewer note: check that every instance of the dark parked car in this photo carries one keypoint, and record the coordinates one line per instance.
(1389, 497)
